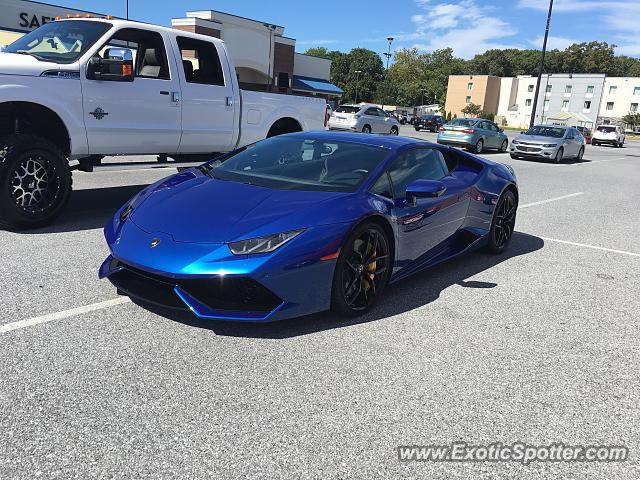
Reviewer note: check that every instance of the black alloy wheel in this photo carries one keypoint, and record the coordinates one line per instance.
(362, 270)
(503, 223)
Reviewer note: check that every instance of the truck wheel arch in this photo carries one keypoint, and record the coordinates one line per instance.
(284, 125)
(21, 117)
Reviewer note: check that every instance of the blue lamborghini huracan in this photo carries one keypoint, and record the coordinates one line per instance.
(306, 222)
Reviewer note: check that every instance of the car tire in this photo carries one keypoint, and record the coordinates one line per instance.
(416, 129)
(504, 146)
(594, 143)
(366, 129)
(394, 131)
(354, 274)
(478, 147)
(33, 170)
(503, 223)
(580, 154)
(515, 157)
(559, 155)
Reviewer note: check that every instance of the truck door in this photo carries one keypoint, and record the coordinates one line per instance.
(142, 116)
(209, 109)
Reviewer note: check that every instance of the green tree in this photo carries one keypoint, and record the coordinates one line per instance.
(632, 119)
(321, 52)
(472, 109)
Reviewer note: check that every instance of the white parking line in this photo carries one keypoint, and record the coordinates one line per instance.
(555, 199)
(594, 247)
(60, 315)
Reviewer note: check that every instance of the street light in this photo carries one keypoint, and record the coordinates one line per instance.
(357, 72)
(532, 121)
(271, 29)
(386, 75)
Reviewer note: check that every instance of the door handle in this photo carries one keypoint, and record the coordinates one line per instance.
(164, 92)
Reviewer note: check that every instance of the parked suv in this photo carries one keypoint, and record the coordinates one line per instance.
(363, 118)
(475, 134)
(428, 122)
(608, 135)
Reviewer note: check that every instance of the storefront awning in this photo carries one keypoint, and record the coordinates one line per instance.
(315, 85)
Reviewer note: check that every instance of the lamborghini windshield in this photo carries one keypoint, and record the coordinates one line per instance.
(59, 41)
(295, 163)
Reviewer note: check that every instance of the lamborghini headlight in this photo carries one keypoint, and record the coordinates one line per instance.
(263, 244)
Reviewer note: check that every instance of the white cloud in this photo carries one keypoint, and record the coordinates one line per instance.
(315, 42)
(466, 26)
(553, 42)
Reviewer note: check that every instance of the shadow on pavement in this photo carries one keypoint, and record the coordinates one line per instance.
(406, 295)
(89, 209)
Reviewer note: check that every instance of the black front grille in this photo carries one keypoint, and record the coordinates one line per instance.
(217, 293)
(147, 287)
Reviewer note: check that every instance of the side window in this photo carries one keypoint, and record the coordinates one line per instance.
(570, 135)
(371, 111)
(493, 127)
(416, 164)
(382, 113)
(383, 186)
(200, 61)
(149, 53)
(485, 126)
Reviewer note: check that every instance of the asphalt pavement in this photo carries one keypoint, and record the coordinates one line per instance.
(540, 345)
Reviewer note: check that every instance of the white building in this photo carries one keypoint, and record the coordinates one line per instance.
(621, 96)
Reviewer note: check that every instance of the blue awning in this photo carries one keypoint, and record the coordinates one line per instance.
(315, 85)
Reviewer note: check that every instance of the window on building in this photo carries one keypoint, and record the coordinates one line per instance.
(633, 107)
(546, 105)
(609, 105)
(527, 102)
(200, 61)
(636, 90)
(549, 87)
(565, 105)
(590, 89)
(530, 88)
(468, 99)
(587, 105)
(612, 90)
(567, 89)
(469, 85)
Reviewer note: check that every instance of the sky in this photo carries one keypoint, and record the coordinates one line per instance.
(467, 26)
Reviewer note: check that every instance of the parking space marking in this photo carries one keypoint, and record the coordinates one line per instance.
(594, 247)
(554, 199)
(60, 315)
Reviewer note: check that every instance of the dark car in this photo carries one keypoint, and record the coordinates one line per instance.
(428, 122)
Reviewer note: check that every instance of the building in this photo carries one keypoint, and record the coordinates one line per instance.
(621, 96)
(265, 58)
(483, 90)
(578, 94)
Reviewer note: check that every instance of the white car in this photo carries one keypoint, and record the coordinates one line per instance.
(608, 135)
(363, 118)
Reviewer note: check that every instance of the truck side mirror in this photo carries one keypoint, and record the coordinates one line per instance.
(116, 66)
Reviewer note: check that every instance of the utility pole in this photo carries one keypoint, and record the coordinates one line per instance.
(532, 121)
(271, 30)
(127, 9)
(386, 75)
(357, 72)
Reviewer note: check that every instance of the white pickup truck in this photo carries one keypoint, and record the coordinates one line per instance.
(73, 91)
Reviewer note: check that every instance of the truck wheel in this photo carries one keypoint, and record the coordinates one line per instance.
(35, 181)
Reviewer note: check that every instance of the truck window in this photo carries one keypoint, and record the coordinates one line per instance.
(200, 61)
(149, 53)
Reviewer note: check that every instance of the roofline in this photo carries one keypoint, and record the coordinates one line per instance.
(236, 16)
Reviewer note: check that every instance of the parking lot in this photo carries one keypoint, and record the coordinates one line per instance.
(540, 345)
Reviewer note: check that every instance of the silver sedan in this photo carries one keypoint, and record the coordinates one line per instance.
(363, 118)
(553, 142)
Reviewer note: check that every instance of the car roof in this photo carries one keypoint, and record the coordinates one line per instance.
(385, 141)
(546, 125)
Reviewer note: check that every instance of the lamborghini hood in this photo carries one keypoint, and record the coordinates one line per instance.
(192, 207)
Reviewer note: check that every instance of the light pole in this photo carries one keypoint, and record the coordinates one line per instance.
(127, 9)
(271, 30)
(386, 75)
(532, 121)
(357, 72)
